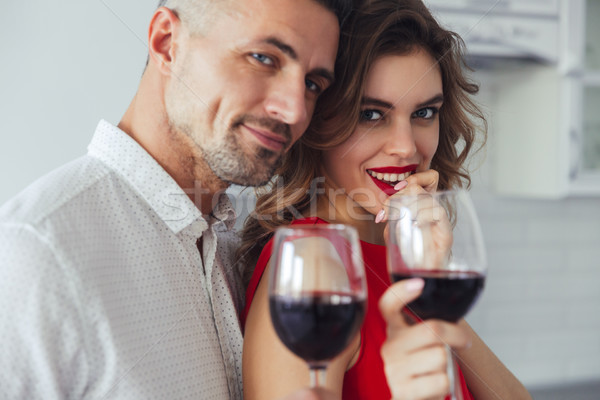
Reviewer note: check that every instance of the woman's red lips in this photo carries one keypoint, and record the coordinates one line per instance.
(395, 170)
(387, 189)
(387, 177)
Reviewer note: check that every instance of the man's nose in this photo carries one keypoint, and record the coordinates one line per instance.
(287, 101)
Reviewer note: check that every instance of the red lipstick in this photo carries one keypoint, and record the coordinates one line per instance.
(395, 170)
(385, 187)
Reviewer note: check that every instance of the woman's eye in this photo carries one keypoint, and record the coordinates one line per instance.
(262, 58)
(370, 115)
(425, 113)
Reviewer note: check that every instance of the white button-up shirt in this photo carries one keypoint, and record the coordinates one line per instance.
(103, 291)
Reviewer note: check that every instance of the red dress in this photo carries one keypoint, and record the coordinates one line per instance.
(366, 379)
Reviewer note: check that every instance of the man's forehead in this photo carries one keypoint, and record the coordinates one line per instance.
(292, 9)
(296, 27)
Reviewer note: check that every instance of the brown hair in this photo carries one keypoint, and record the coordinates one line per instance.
(383, 27)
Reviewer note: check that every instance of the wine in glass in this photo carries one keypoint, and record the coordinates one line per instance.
(437, 237)
(317, 292)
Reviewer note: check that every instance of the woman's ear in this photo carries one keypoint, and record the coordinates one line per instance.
(162, 39)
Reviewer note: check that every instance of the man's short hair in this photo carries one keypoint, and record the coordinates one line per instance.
(202, 9)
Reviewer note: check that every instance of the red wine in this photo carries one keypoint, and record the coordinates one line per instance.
(317, 327)
(447, 295)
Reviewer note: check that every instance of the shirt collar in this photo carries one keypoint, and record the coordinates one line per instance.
(125, 156)
(224, 211)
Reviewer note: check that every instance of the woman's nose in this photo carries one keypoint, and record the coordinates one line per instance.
(401, 141)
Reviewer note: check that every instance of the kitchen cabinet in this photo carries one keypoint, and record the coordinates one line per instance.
(503, 28)
(542, 58)
(545, 126)
(587, 174)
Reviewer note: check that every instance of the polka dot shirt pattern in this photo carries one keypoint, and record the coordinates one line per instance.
(103, 291)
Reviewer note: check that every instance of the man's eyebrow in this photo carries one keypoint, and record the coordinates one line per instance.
(289, 50)
(324, 73)
(286, 48)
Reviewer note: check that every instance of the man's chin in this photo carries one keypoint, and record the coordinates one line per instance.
(254, 170)
(256, 177)
(252, 177)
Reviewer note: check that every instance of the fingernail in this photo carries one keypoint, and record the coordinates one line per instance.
(379, 216)
(413, 285)
(400, 185)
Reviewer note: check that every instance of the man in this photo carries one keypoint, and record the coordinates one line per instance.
(113, 282)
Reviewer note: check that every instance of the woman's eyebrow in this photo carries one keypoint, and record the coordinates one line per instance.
(439, 98)
(376, 102)
(434, 100)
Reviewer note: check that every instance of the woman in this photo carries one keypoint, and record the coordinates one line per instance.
(390, 125)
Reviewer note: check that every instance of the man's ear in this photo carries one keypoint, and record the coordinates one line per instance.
(162, 34)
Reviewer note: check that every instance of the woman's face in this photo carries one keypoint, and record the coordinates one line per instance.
(398, 130)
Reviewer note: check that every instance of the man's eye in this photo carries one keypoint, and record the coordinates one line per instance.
(370, 115)
(263, 59)
(426, 113)
(312, 86)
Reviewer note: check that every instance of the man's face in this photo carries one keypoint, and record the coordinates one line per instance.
(244, 91)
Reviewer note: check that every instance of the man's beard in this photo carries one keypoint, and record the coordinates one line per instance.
(246, 164)
(230, 163)
(230, 160)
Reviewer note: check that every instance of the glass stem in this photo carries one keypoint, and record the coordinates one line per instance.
(317, 376)
(453, 377)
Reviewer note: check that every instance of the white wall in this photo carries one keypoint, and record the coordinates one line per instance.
(65, 66)
(539, 311)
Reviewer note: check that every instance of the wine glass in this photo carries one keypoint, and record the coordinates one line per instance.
(437, 237)
(317, 292)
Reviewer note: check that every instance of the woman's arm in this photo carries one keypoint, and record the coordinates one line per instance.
(270, 370)
(485, 374)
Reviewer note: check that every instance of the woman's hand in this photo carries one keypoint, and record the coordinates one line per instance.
(425, 216)
(420, 182)
(426, 181)
(415, 356)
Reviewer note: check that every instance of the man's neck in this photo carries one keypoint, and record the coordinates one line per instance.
(147, 123)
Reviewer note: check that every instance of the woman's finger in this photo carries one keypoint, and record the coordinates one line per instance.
(405, 339)
(430, 387)
(395, 298)
(429, 360)
(421, 182)
(428, 180)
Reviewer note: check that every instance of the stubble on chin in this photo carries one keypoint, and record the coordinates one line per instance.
(235, 165)
(219, 158)
(251, 164)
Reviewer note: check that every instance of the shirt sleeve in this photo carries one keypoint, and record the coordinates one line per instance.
(41, 338)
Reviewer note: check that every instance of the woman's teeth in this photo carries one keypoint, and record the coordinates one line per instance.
(389, 178)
